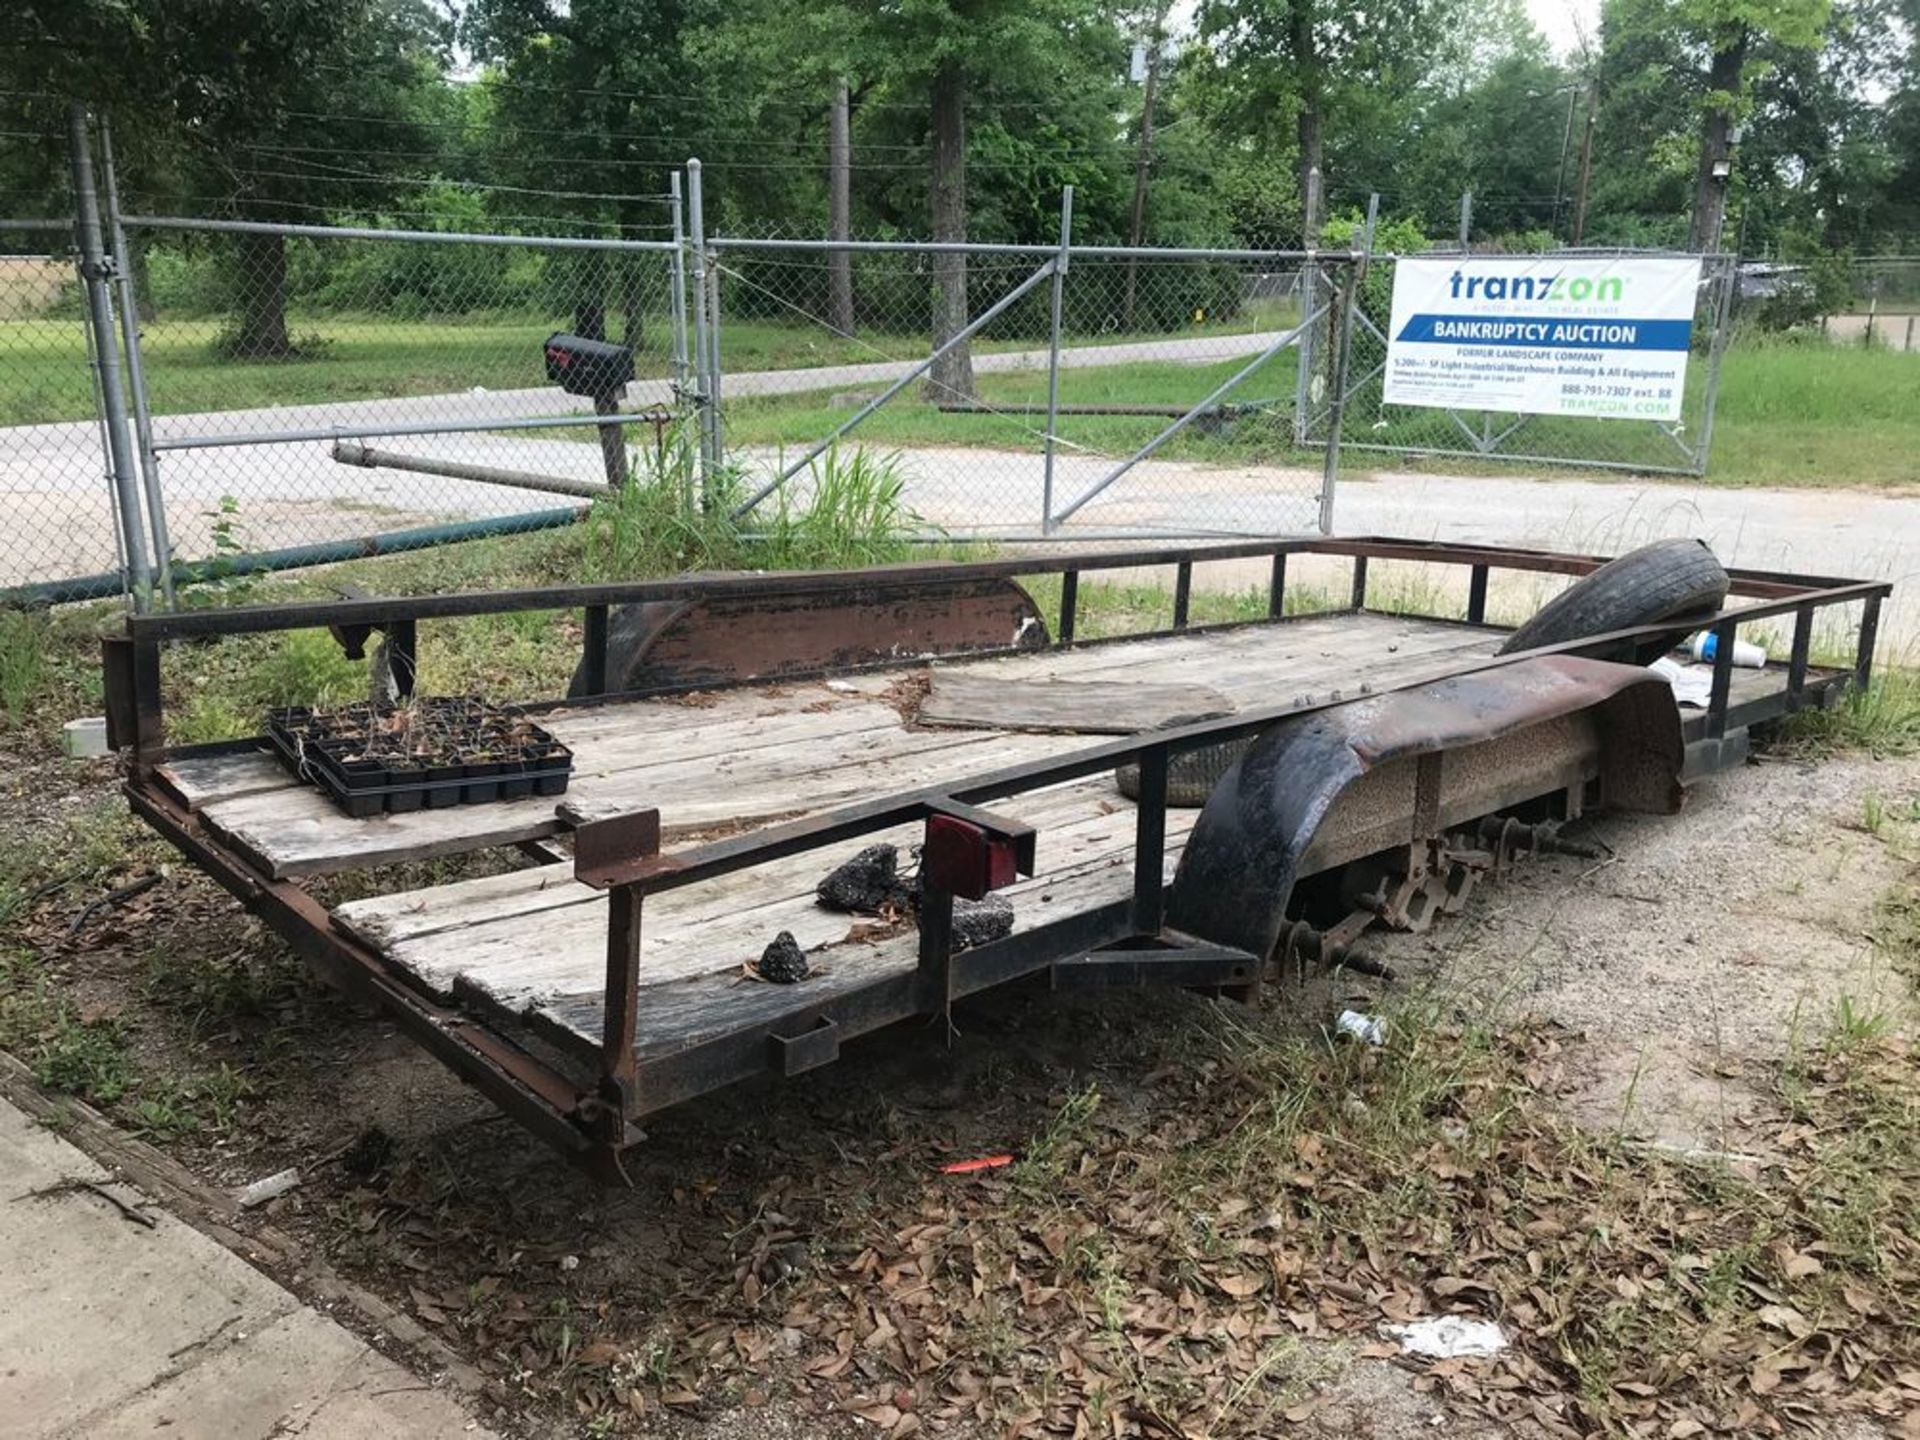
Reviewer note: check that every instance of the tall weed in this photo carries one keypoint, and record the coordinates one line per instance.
(23, 663)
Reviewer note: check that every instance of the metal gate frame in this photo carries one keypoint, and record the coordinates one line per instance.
(1337, 298)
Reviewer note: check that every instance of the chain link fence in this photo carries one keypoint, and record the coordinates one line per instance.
(1678, 447)
(311, 386)
(275, 394)
(56, 503)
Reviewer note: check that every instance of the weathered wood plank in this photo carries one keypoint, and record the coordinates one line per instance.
(198, 780)
(805, 779)
(299, 831)
(520, 958)
(961, 699)
(389, 919)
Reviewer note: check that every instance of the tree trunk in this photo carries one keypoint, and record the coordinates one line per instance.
(952, 377)
(632, 284)
(840, 210)
(261, 319)
(590, 301)
(1716, 145)
(142, 273)
(1306, 64)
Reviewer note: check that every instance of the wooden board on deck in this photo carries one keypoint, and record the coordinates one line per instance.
(197, 780)
(964, 700)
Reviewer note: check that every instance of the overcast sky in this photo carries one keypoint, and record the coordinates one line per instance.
(1562, 20)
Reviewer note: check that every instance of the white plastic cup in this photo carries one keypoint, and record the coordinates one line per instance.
(1746, 654)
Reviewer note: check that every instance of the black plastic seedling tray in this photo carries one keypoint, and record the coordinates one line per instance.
(364, 786)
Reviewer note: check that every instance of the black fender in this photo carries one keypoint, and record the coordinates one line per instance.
(1398, 768)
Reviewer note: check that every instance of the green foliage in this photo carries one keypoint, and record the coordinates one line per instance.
(66, 1051)
(1882, 720)
(1391, 236)
(23, 663)
(854, 514)
(849, 510)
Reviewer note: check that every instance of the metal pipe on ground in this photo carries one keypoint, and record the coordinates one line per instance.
(346, 452)
(263, 562)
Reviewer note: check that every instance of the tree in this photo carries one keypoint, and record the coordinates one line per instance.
(1314, 59)
(1731, 32)
(225, 98)
(591, 102)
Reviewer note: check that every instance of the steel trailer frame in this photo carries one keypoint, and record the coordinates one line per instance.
(589, 1105)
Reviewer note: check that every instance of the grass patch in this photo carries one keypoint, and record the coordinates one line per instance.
(23, 665)
(1789, 414)
(1882, 720)
(348, 356)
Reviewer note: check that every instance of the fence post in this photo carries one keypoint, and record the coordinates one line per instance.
(1309, 274)
(703, 398)
(136, 369)
(1337, 404)
(95, 272)
(1716, 347)
(677, 309)
(1343, 341)
(1053, 355)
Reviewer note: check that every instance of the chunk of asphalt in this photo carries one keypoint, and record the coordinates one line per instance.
(975, 922)
(783, 962)
(868, 884)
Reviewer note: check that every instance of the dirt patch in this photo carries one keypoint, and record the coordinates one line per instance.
(1695, 955)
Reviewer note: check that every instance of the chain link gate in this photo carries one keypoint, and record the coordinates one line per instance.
(1105, 391)
(1681, 447)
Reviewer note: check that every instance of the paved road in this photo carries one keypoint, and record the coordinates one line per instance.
(291, 493)
(54, 500)
(111, 1328)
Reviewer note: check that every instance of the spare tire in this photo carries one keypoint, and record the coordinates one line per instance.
(1678, 580)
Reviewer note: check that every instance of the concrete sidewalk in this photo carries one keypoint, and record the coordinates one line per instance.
(113, 1327)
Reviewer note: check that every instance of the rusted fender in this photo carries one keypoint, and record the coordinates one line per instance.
(1237, 872)
(718, 641)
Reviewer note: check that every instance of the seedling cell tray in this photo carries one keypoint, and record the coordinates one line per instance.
(425, 755)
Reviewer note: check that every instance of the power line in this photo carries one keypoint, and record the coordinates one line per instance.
(348, 176)
(495, 80)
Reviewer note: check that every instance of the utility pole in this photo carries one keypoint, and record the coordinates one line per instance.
(1143, 160)
(840, 208)
(1586, 174)
(1466, 221)
(1566, 149)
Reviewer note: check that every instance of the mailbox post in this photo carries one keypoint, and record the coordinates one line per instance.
(600, 371)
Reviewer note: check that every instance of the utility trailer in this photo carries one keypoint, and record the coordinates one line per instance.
(786, 721)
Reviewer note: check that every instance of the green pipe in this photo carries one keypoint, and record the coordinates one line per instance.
(263, 562)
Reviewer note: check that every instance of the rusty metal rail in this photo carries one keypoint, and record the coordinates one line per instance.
(589, 1103)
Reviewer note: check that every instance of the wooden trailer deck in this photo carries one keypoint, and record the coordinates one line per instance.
(533, 942)
(538, 984)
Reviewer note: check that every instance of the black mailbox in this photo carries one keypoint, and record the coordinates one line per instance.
(594, 368)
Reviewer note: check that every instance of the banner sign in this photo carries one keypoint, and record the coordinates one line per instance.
(1599, 336)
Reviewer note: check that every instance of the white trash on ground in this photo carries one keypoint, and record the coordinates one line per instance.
(1745, 652)
(265, 1189)
(1367, 1029)
(1446, 1337)
(1692, 684)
